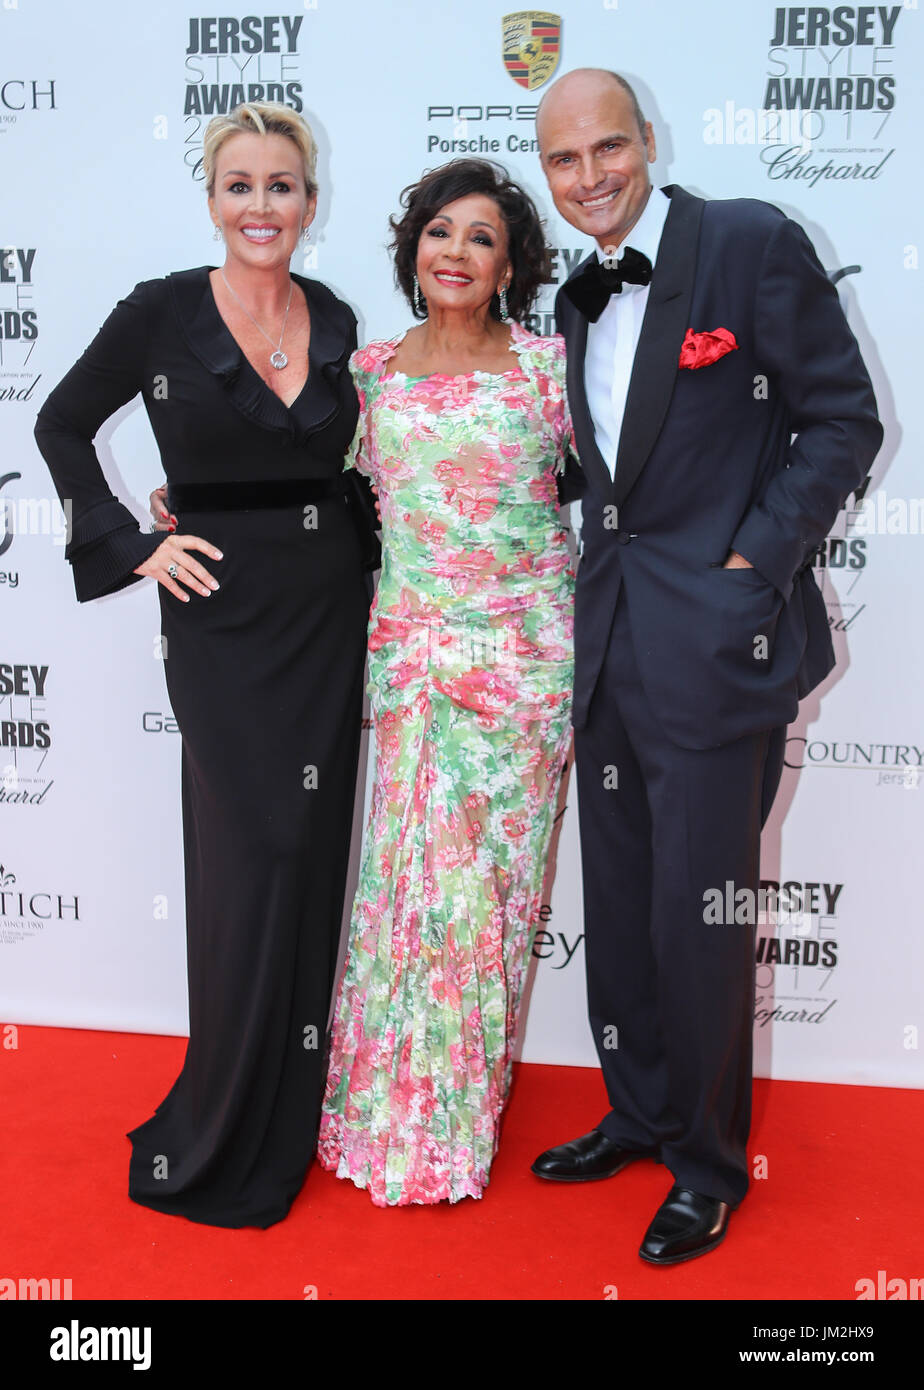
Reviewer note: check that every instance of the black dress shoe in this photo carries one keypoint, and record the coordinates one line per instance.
(586, 1159)
(685, 1225)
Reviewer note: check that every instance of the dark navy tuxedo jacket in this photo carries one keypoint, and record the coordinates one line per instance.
(755, 452)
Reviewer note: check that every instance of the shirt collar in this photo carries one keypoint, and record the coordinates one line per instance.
(645, 236)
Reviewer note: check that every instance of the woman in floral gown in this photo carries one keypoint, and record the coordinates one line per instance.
(463, 429)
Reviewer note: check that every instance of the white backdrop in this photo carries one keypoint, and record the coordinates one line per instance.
(100, 127)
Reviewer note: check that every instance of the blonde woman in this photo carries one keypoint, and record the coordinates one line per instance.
(264, 603)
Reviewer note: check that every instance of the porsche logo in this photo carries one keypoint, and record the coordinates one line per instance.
(532, 43)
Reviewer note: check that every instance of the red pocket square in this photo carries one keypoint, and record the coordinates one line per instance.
(702, 349)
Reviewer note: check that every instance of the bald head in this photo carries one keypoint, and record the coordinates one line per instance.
(583, 85)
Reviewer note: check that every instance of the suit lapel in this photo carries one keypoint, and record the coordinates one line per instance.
(667, 318)
(574, 328)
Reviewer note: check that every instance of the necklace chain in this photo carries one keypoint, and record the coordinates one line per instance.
(278, 359)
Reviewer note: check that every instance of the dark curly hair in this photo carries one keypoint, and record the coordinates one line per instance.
(530, 262)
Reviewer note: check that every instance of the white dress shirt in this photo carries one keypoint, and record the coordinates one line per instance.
(612, 340)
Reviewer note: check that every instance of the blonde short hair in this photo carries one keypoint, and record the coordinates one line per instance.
(260, 118)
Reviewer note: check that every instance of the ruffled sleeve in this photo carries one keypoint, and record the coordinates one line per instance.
(365, 365)
(355, 456)
(105, 543)
(571, 482)
(550, 362)
(559, 394)
(356, 467)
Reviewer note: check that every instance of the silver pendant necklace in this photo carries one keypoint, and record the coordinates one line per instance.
(278, 358)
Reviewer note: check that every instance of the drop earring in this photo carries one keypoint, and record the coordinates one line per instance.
(505, 317)
(420, 304)
(216, 235)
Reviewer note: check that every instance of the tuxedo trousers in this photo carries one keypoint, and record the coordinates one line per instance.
(670, 990)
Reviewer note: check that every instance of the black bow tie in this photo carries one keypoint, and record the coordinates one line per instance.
(590, 291)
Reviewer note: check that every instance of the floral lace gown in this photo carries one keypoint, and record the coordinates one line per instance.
(470, 664)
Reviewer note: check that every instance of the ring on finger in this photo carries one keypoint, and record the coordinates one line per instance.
(172, 570)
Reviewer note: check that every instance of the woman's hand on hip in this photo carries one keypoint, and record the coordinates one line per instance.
(163, 521)
(172, 565)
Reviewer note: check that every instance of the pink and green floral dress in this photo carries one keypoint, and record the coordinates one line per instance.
(470, 666)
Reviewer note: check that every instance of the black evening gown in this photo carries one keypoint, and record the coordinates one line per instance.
(265, 680)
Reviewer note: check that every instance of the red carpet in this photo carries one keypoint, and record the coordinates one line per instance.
(840, 1200)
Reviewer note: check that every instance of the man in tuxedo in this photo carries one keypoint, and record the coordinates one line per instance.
(722, 414)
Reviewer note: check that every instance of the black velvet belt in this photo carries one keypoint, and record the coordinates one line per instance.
(232, 497)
